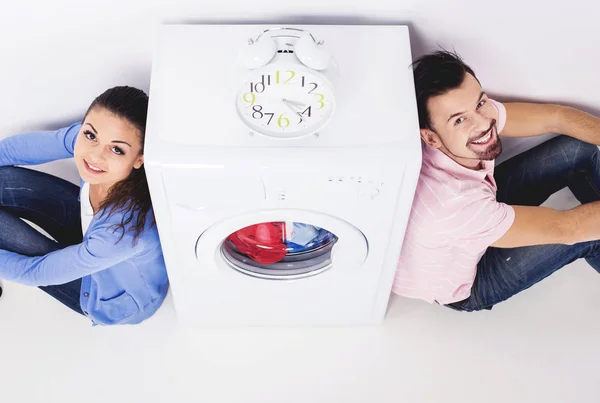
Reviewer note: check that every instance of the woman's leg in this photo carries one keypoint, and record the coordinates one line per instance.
(47, 201)
(50, 202)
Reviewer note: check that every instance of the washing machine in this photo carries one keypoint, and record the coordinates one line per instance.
(282, 162)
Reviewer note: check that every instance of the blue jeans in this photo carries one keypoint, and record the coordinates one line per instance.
(528, 180)
(49, 202)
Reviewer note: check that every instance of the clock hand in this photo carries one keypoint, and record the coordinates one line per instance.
(300, 104)
(288, 104)
(292, 108)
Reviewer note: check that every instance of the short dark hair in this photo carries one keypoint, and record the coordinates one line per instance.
(435, 74)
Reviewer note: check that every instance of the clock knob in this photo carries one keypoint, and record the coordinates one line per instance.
(258, 53)
(312, 54)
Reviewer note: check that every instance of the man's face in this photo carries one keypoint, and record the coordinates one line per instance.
(464, 124)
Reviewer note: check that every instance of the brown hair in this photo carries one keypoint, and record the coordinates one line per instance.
(131, 195)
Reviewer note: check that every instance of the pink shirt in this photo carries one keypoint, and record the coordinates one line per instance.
(454, 219)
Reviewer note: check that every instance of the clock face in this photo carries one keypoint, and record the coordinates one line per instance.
(285, 102)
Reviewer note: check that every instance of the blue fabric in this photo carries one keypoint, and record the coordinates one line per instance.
(69, 294)
(121, 282)
(528, 180)
(49, 202)
(312, 237)
(302, 234)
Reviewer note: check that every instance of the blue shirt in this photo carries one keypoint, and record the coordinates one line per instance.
(122, 283)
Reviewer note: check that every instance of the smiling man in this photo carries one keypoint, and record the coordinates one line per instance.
(477, 235)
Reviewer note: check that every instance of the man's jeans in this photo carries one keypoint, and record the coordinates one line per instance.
(49, 202)
(528, 180)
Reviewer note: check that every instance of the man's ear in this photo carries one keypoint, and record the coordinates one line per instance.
(431, 138)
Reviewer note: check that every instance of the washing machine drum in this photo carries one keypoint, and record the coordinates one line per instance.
(279, 249)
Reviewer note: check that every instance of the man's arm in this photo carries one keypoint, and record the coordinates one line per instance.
(530, 119)
(541, 225)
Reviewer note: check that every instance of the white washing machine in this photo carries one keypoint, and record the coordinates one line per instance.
(282, 163)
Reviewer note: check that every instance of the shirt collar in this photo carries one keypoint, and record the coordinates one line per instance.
(447, 164)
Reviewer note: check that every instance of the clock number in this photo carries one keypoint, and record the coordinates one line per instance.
(257, 114)
(314, 88)
(252, 97)
(321, 98)
(292, 75)
(304, 112)
(303, 81)
(258, 87)
(272, 114)
(277, 76)
(282, 121)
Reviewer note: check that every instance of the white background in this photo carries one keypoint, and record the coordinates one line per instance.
(541, 346)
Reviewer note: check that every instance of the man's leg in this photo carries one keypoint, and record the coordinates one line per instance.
(529, 179)
(504, 272)
(50, 202)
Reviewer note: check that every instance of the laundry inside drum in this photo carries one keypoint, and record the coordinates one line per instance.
(279, 250)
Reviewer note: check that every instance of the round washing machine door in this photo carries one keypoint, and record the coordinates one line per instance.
(283, 245)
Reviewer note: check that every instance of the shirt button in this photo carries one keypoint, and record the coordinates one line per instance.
(85, 294)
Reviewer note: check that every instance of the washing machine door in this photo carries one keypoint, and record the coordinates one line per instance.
(283, 244)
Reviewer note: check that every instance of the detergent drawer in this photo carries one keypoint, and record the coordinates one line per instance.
(201, 187)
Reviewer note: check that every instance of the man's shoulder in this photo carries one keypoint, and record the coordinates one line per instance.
(439, 183)
(440, 194)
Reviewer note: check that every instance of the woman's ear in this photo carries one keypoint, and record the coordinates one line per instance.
(139, 162)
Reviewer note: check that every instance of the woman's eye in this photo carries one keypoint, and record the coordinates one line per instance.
(90, 135)
(118, 151)
(459, 121)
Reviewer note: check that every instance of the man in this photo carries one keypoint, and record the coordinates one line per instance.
(475, 237)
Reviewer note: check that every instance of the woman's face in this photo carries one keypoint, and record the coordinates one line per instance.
(107, 149)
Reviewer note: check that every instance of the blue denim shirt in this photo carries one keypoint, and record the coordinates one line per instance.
(122, 283)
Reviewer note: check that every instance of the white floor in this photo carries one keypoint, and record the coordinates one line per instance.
(541, 346)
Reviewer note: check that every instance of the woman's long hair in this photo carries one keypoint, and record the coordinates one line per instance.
(130, 195)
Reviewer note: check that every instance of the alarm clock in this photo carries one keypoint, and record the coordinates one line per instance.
(289, 96)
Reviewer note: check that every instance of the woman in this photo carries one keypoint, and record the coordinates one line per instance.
(106, 262)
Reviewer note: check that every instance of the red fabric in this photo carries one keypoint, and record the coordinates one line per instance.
(263, 243)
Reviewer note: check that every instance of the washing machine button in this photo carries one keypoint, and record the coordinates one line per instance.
(373, 192)
(369, 192)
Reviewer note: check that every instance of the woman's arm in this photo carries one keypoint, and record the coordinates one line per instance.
(39, 147)
(98, 252)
